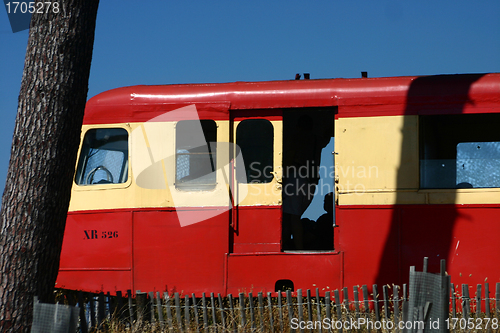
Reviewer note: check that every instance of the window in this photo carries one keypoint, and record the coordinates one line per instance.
(104, 157)
(460, 151)
(255, 139)
(195, 155)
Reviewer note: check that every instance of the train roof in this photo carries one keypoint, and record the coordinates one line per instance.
(458, 93)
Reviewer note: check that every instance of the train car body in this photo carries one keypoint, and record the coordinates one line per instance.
(414, 172)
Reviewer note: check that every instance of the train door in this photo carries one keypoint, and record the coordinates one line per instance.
(256, 217)
(308, 181)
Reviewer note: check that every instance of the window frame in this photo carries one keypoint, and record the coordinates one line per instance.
(87, 187)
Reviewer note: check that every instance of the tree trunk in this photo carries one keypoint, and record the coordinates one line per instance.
(44, 147)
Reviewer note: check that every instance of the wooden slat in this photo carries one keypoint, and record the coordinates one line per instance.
(309, 306)
(159, 310)
(395, 302)
(178, 311)
(318, 309)
(355, 293)
(289, 303)
(465, 301)
(375, 303)
(338, 306)
(212, 305)
(252, 313)
(479, 293)
(231, 311)
(242, 311)
(385, 293)
(270, 308)
(187, 317)
(166, 298)
(151, 306)
(487, 299)
(328, 307)
(222, 310)
(83, 319)
(300, 307)
(204, 309)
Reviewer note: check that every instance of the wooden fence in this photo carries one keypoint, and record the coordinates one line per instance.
(286, 311)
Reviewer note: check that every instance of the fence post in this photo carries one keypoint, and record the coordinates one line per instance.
(159, 308)
(289, 302)
(150, 306)
(130, 307)
(338, 306)
(205, 315)
(222, 310)
(355, 293)
(318, 309)
(166, 297)
(280, 310)
(375, 303)
(328, 307)
(453, 302)
(261, 310)
(187, 318)
(195, 312)
(178, 311)
(141, 300)
(300, 307)
(231, 311)
(270, 304)
(487, 299)
(395, 300)
(497, 297)
(92, 310)
(252, 314)
(309, 305)
(242, 311)
(83, 319)
(214, 315)
(385, 293)
(465, 301)
(479, 292)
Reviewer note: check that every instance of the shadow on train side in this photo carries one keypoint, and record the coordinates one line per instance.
(427, 230)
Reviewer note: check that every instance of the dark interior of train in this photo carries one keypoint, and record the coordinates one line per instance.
(306, 132)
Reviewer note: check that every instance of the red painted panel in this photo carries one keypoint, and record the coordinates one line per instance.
(363, 236)
(174, 258)
(260, 272)
(95, 280)
(96, 242)
(380, 243)
(259, 229)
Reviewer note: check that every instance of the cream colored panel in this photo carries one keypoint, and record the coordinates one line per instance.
(376, 156)
(268, 193)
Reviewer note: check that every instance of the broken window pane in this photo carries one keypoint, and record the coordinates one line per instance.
(460, 151)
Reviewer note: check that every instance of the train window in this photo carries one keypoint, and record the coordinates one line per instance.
(255, 139)
(104, 157)
(460, 151)
(195, 156)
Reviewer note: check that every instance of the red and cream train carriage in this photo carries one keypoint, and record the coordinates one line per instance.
(417, 173)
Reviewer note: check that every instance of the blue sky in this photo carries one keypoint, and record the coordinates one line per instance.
(194, 41)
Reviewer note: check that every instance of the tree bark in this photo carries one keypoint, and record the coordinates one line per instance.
(44, 147)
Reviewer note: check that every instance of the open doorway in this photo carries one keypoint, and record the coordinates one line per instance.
(308, 179)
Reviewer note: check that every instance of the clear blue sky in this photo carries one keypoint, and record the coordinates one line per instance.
(165, 42)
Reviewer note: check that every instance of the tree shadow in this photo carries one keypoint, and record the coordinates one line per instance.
(418, 230)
